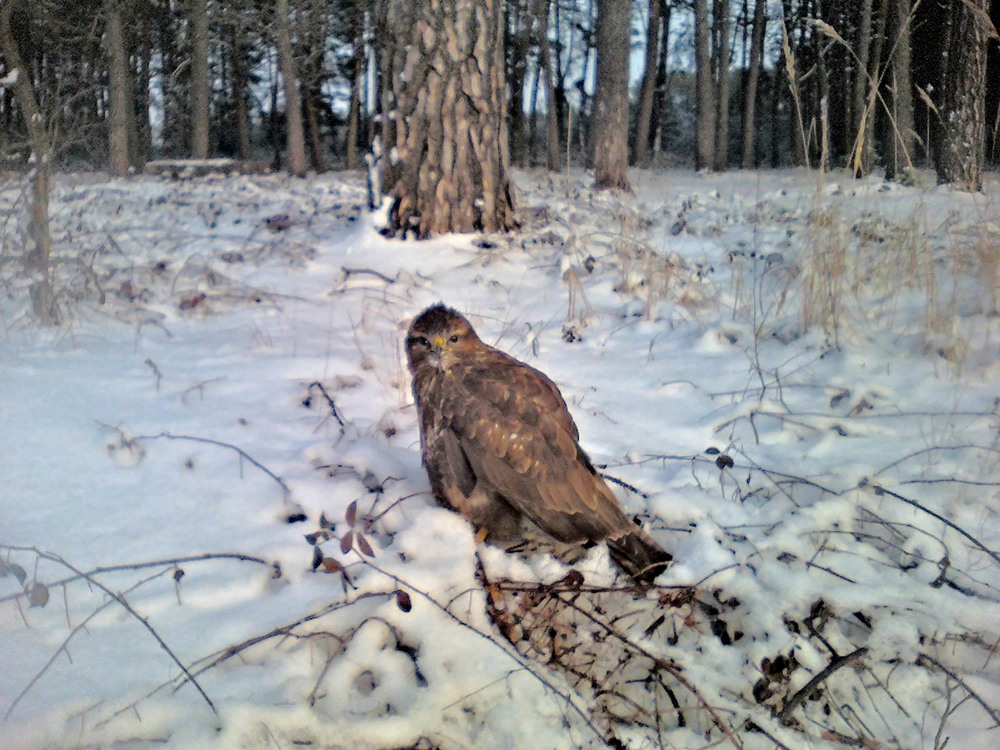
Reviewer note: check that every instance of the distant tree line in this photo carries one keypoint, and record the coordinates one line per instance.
(310, 84)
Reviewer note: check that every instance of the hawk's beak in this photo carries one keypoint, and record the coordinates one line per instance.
(438, 343)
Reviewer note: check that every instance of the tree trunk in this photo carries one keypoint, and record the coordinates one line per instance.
(960, 131)
(721, 54)
(704, 100)
(517, 65)
(647, 90)
(200, 84)
(357, 82)
(552, 105)
(238, 68)
(296, 140)
(36, 258)
(120, 108)
(899, 159)
(753, 77)
(451, 168)
(860, 86)
(609, 123)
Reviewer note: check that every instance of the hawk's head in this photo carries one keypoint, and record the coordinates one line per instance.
(437, 337)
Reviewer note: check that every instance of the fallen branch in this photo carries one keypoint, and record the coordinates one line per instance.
(785, 715)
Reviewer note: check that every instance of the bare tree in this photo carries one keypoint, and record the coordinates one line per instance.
(753, 77)
(655, 36)
(448, 131)
(36, 257)
(609, 124)
(541, 12)
(720, 65)
(960, 130)
(704, 99)
(200, 85)
(121, 110)
(293, 101)
(898, 160)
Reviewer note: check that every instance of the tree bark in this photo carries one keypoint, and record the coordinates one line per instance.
(120, 108)
(36, 258)
(552, 105)
(721, 54)
(357, 82)
(296, 141)
(704, 100)
(960, 130)
(449, 164)
(647, 90)
(753, 77)
(200, 84)
(609, 123)
(518, 45)
(899, 158)
(860, 87)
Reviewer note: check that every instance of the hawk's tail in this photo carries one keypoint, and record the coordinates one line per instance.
(635, 552)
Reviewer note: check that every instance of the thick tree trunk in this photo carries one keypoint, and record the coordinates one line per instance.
(450, 167)
(120, 108)
(899, 158)
(200, 85)
(753, 77)
(647, 90)
(704, 100)
(293, 101)
(960, 130)
(609, 123)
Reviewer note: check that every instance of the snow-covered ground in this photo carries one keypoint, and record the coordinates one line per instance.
(793, 379)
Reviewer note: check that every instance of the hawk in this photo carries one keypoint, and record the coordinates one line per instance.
(499, 445)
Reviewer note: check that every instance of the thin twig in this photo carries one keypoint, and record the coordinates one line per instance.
(880, 490)
(120, 598)
(975, 696)
(784, 716)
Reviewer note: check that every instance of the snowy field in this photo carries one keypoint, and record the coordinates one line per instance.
(215, 530)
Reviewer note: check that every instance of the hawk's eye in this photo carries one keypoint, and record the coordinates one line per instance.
(420, 341)
(454, 338)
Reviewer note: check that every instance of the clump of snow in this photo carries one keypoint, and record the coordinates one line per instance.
(213, 488)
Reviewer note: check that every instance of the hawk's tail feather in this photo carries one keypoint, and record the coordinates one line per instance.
(637, 554)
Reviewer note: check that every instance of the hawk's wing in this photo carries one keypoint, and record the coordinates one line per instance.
(521, 442)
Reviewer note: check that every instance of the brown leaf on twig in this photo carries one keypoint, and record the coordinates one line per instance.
(346, 542)
(403, 601)
(38, 595)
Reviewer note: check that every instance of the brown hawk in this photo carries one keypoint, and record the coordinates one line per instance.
(499, 444)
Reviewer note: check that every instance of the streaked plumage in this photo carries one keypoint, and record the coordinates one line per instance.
(499, 443)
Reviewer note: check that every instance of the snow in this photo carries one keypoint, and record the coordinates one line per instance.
(174, 418)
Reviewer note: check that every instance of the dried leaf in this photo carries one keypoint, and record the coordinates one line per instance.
(317, 557)
(346, 542)
(352, 513)
(403, 600)
(178, 574)
(331, 566)
(724, 461)
(275, 569)
(18, 572)
(372, 483)
(38, 595)
(365, 547)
